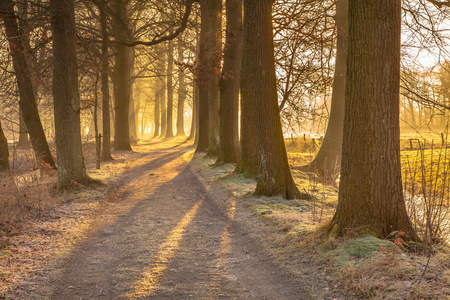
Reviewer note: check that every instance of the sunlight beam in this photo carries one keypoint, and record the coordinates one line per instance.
(152, 276)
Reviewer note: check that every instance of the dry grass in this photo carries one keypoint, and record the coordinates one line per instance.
(37, 224)
(383, 276)
(299, 228)
(382, 273)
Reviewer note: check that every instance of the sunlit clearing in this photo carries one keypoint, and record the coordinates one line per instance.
(151, 277)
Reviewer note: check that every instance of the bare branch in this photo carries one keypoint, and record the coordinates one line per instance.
(439, 4)
(169, 37)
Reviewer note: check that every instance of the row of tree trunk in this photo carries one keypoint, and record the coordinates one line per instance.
(370, 193)
(248, 67)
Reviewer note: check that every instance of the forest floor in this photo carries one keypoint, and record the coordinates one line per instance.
(169, 224)
(162, 227)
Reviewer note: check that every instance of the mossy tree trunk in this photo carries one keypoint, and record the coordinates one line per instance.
(229, 84)
(370, 192)
(66, 96)
(274, 176)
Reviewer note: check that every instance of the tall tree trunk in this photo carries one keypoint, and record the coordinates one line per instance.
(202, 74)
(157, 114)
(27, 100)
(169, 132)
(181, 91)
(194, 132)
(106, 120)
(412, 112)
(370, 191)
(133, 112)
(328, 159)
(162, 83)
(274, 176)
(66, 96)
(248, 156)
(214, 56)
(229, 84)
(122, 77)
(4, 153)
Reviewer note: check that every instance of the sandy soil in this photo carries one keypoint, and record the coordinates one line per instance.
(168, 232)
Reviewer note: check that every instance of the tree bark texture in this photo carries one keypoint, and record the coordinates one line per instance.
(248, 156)
(202, 75)
(4, 152)
(181, 91)
(66, 97)
(214, 56)
(229, 84)
(106, 120)
(27, 100)
(274, 176)
(169, 132)
(122, 76)
(370, 192)
(328, 159)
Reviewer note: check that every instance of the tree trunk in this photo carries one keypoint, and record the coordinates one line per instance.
(133, 112)
(169, 132)
(181, 91)
(202, 74)
(214, 61)
(412, 113)
(66, 97)
(328, 159)
(4, 153)
(370, 191)
(27, 100)
(274, 176)
(193, 134)
(23, 132)
(122, 77)
(106, 120)
(195, 123)
(248, 156)
(162, 96)
(229, 84)
(157, 114)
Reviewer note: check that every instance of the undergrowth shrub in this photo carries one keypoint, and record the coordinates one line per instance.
(25, 195)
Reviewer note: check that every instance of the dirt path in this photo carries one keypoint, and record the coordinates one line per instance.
(167, 233)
